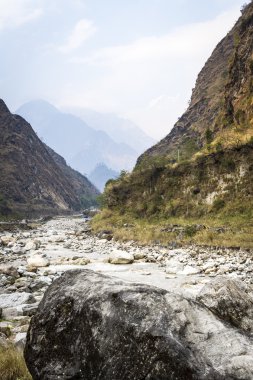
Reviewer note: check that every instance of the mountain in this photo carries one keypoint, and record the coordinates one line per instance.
(34, 179)
(220, 111)
(119, 129)
(82, 146)
(204, 167)
(83, 187)
(101, 174)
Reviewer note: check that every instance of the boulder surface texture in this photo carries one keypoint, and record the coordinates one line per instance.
(94, 327)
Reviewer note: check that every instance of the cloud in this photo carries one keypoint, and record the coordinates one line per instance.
(191, 39)
(149, 79)
(82, 31)
(14, 13)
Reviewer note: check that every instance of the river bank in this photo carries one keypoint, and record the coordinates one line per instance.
(31, 260)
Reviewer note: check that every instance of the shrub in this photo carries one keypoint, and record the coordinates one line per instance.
(209, 136)
(218, 204)
(190, 230)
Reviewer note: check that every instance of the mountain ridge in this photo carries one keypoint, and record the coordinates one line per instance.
(32, 183)
(82, 146)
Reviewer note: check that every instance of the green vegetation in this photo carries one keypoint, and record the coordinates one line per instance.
(209, 136)
(12, 364)
(213, 190)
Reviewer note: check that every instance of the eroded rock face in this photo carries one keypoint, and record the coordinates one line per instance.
(91, 326)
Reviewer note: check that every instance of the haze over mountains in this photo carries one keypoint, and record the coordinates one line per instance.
(85, 145)
(120, 129)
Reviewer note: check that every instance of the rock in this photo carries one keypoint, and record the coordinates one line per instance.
(30, 310)
(40, 283)
(9, 270)
(37, 261)
(120, 257)
(20, 341)
(139, 255)
(210, 270)
(32, 245)
(5, 328)
(15, 299)
(231, 300)
(59, 239)
(91, 326)
(5, 240)
(81, 261)
(173, 266)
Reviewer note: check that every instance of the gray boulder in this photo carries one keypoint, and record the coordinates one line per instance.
(91, 326)
(15, 299)
(231, 300)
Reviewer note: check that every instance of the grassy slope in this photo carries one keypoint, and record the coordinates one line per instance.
(214, 190)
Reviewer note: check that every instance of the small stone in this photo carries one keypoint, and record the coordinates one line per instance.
(120, 257)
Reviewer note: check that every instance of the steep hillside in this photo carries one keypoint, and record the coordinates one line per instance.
(84, 189)
(202, 171)
(82, 146)
(220, 113)
(32, 182)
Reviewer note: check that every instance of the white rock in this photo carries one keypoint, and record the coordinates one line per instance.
(173, 266)
(120, 257)
(31, 245)
(37, 261)
(139, 255)
(5, 240)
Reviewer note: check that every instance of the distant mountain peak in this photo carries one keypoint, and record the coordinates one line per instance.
(38, 105)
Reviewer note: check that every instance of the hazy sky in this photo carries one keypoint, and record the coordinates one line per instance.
(136, 58)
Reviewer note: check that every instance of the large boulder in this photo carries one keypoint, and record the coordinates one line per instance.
(231, 300)
(91, 326)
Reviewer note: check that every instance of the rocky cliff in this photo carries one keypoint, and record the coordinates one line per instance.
(220, 113)
(205, 163)
(34, 179)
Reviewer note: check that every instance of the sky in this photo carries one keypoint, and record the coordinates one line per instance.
(136, 58)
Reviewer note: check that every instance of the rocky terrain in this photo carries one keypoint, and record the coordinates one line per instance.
(34, 179)
(30, 260)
